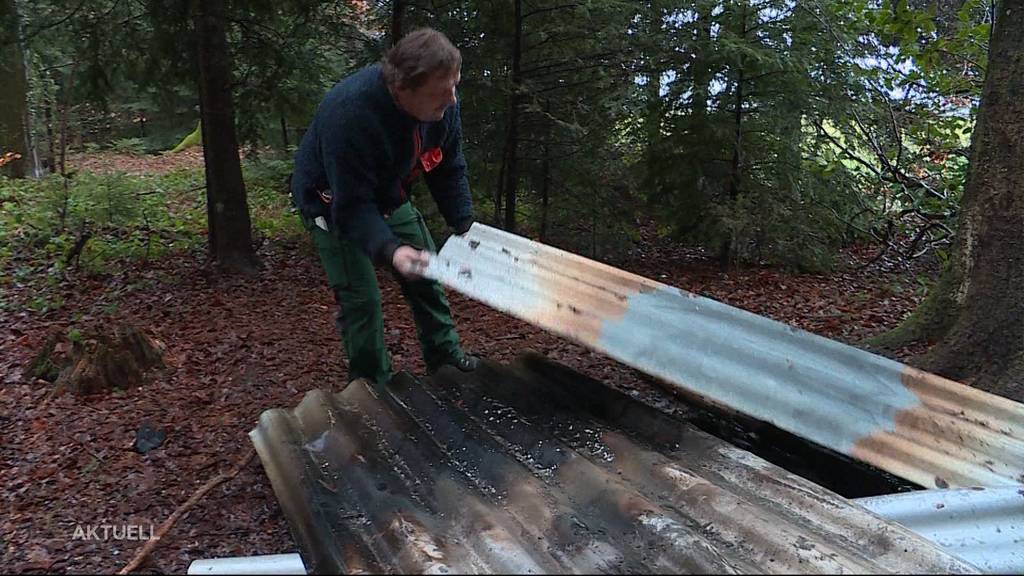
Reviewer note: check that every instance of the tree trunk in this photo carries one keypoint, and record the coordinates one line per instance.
(284, 133)
(545, 194)
(511, 170)
(227, 211)
(499, 191)
(511, 160)
(701, 68)
(727, 248)
(51, 154)
(985, 340)
(397, 11)
(14, 94)
(67, 84)
(654, 105)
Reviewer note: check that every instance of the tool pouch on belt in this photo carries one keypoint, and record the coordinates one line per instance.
(314, 205)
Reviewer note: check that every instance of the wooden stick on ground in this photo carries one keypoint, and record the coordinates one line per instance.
(184, 508)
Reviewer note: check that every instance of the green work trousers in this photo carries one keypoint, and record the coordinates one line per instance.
(360, 321)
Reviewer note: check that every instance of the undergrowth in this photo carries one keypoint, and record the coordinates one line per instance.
(55, 229)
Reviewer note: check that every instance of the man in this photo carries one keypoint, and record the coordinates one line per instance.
(371, 137)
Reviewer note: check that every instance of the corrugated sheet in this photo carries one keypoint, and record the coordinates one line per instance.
(271, 564)
(984, 526)
(534, 469)
(916, 425)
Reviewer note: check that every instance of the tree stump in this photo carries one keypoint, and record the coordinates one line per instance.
(115, 360)
(48, 364)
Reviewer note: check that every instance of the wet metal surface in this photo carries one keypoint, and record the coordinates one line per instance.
(984, 526)
(915, 425)
(532, 468)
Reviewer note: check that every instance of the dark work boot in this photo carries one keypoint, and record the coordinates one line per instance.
(464, 363)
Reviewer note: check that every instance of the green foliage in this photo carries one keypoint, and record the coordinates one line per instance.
(947, 44)
(129, 146)
(732, 98)
(573, 95)
(777, 131)
(771, 131)
(269, 203)
(112, 218)
(127, 70)
(125, 220)
(911, 129)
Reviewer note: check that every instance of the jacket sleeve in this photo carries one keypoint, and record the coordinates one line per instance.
(447, 182)
(351, 158)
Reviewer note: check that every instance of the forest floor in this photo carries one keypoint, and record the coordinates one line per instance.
(238, 346)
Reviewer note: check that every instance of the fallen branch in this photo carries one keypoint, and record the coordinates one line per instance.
(184, 509)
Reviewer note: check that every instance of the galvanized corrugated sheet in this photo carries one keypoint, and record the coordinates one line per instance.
(534, 469)
(916, 425)
(984, 526)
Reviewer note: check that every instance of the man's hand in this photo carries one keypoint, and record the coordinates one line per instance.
(410, 262)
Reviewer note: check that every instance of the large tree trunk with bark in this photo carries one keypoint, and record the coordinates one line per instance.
(13, 94)
(977, 308)
(227, 209)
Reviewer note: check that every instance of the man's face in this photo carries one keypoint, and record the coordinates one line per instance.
(428, 102)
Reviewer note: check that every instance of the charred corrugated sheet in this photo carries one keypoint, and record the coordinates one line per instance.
(530, 468)
(918, 426)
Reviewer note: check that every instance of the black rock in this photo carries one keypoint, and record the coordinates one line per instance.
(149, 437)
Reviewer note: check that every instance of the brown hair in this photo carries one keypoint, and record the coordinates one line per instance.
(418, 56)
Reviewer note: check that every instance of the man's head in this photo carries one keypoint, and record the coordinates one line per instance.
(422, 71)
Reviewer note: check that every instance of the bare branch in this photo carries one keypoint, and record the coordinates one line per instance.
(847, 151)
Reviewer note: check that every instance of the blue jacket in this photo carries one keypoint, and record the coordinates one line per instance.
(360, 155)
